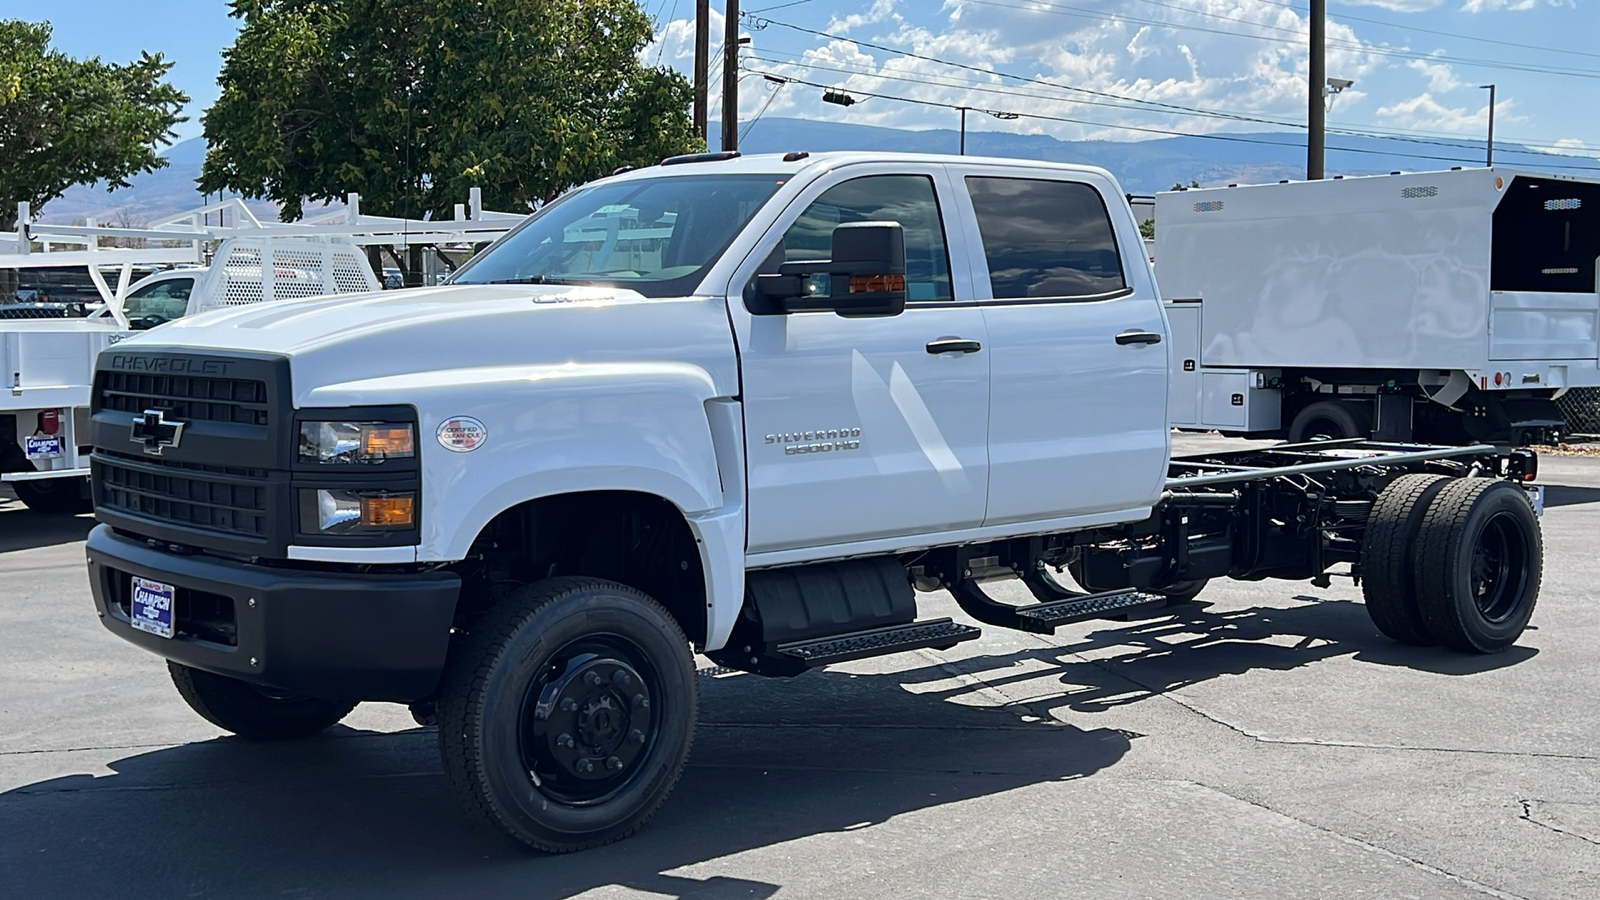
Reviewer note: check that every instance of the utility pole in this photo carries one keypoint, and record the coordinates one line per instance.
(702, 59)
(730, 76)
(963, 131)
(1316, 113)
(1490, 89)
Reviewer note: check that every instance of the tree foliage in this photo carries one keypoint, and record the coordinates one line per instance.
(65, 121)
(412, 102)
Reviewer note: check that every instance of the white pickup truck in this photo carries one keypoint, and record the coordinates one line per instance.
(746, 407)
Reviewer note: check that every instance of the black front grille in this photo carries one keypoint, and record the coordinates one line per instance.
(188, 398)
(213, 498)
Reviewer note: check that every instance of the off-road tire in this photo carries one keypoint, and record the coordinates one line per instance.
(516, 653)
(1479, 563)
(242, 708)
(1388, 557)
(1348, 418)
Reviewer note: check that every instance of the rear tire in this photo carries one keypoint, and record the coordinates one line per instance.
(54, 496)
(242, 708)
(567, 714)
(1388, 551)
(1479, 562)
(1331, 419)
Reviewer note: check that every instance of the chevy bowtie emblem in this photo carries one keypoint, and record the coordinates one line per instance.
(152, 429)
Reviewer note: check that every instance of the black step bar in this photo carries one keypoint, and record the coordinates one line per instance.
(1046, 617)
(795, 657)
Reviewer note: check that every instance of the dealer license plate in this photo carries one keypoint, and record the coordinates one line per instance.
(42, 446)
(151, 609)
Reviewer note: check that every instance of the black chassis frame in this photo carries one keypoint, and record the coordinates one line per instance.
(1289, 511)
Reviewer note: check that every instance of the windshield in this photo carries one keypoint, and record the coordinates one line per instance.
(655, 236)
(159, 302)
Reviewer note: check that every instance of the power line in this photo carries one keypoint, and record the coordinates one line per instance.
(1175, 109)
(1448, 140)
(1355, 46)
(1449, 34)
(1139, 128)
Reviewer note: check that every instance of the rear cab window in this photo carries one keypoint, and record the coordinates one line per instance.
(1045, 239)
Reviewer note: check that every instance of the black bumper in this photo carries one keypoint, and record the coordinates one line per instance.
(313, 633)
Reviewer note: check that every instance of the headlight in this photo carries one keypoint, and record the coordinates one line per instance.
(357, 512)
(355, 442)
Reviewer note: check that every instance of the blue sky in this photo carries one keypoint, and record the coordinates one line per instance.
(1416, 64)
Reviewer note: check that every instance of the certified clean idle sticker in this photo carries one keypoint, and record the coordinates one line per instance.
(462, 434)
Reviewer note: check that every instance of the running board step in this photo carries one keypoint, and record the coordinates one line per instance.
(939, 634)
(1045, 617)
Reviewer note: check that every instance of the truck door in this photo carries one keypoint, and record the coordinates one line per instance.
(1078, 409)
(860, 428)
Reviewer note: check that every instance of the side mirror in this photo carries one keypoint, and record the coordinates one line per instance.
(867, 274)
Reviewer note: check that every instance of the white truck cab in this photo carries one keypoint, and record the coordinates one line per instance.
(747, 406)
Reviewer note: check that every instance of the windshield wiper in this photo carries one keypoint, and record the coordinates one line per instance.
(531, 279)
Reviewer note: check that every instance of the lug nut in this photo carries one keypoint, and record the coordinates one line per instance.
(640, 701)
(619, 677)
(585, 766)
(637, 736)
(593, 679)
(569, 704)
(614, 763)
(564, 740)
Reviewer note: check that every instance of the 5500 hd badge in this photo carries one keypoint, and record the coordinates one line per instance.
(823, 441)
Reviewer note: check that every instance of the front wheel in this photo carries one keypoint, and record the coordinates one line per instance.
(1478, 565)
(566, 716)
(250, 712)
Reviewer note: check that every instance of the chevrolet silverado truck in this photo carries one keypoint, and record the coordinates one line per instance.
(745, 407)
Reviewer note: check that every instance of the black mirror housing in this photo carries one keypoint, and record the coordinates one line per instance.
(867, 273)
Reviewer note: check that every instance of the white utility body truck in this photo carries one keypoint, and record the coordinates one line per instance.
(225, 257)
(742, 406)
(1448, 307)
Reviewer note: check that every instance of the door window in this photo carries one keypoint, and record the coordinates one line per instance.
(166, 300)
(907, 199)
(1045, 239)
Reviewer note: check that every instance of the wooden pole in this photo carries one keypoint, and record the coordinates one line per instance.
(1316, 118)
(730, 76)
(702, 59)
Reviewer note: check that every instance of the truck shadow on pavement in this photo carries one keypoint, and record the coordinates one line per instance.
(358, 813)
(24, 529)
(1193, 643)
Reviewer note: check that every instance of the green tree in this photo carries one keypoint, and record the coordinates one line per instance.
(65, 121)
(412, 102)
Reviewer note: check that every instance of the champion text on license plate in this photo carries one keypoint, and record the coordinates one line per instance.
(151, 609)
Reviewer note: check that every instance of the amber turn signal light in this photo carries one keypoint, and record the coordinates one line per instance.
(393, 511)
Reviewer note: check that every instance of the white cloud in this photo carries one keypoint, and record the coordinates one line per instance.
(1425, 112)
(1475, 6)
(1400, 5)
(1441, 77)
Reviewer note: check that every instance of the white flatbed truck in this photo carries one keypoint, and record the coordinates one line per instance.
(1449, 307)
(745, 407)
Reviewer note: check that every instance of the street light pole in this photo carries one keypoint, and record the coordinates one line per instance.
(1490, 89)
(730, 76)
(1316, 113)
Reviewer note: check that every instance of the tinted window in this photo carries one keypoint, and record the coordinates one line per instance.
(656, 236)
(1045, 238)
(907, 199)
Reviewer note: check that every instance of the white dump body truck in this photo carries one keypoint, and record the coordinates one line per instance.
(1446, 306)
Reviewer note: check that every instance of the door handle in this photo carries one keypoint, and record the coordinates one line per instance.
(1138, 337)
(953, 345)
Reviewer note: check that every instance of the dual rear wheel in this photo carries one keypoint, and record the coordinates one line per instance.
(1452, 561)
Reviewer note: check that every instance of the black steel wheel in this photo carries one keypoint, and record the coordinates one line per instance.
(1331, 420)
(1388, 551)
(566, 716)
(251, 712)
(1478, 566)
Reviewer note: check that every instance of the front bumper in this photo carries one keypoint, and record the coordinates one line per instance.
(337, 635)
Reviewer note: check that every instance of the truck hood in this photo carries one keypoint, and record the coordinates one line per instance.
(351, 338)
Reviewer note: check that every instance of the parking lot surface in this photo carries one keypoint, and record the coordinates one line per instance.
(1264, 741)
